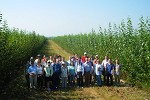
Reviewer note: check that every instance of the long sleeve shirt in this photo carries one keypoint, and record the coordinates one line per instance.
(109, 68)
(48, 70)
(87, 67)
(57, 68)
(79, 68)
(98, 69)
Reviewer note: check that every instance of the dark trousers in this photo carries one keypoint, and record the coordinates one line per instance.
(90, 79)
(80, 79)
(111, 79)
(104, 76)
(56, 80)
(40, 81)
(87, 78)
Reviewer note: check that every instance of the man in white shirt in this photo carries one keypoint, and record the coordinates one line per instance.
(104, 62)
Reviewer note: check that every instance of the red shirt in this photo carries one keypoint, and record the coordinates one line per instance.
(83, 59)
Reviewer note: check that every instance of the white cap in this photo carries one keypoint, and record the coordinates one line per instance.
(84, 53)
(97, 55)
(63, 63)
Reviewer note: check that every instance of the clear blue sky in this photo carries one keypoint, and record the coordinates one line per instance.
(59, 17)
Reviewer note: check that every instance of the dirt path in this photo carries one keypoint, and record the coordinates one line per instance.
(56, 49)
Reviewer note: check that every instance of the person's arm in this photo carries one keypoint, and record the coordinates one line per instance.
(82, 69)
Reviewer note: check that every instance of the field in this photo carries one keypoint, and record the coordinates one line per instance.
(131, 46)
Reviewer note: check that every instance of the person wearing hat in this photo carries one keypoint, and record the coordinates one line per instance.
(64, 75)
(32, 70)
(48, 75)
(84, 57)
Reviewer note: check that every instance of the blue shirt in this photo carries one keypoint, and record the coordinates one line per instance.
(87, 66)
(109, 68)
(57, 68)
(32, 69)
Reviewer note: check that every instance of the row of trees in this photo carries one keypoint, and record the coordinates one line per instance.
(16, 47)
(130, 45)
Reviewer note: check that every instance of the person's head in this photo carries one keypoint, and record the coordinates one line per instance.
(71, 63)
(98, 61)
(39, 63)
(63, 64)
(57, 60)
(85, 54)
(89, 59)
(96, 56)
(109, 60)
(49, 63)
(63, 59)
(50, 57)
(76, 55)
(54, 60)
(106, 57)
(32, 62)
(117, 62)
(38, 56)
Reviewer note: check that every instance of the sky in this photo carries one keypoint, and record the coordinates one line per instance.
(62, 17)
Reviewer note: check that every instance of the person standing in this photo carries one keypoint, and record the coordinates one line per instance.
(84, 57)
(71, 73)
(48, 75)
(79, 69)
(39, 75)
(32, 70)
(64, 74)
(98, 72)
(117, 72)
(56, 74)
(104, 62)
(87, 71)
(109, 72)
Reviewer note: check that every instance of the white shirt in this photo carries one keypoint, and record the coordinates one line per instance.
(98, 69)
(117, 69)
(104, 62)
(39, 70)
(79, 68)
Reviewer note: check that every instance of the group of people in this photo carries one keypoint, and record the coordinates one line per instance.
(50, 71)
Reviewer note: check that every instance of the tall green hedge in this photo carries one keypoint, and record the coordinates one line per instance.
(16, 47)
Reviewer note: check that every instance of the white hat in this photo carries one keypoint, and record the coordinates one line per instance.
(97, 55)
(63, 63)
(85, 53)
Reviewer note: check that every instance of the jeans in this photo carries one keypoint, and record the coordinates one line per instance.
(33, 81)
(99, 80)
(64, 82)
